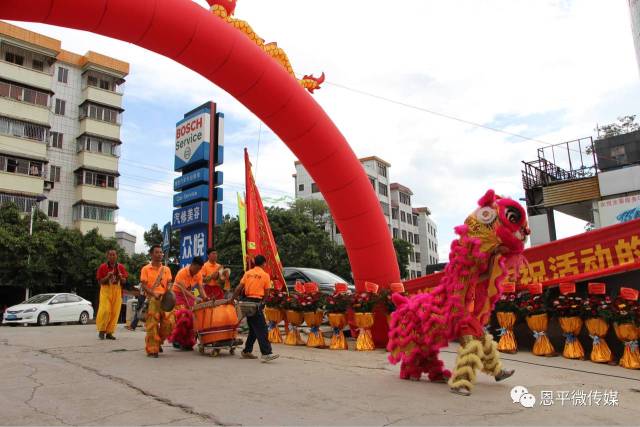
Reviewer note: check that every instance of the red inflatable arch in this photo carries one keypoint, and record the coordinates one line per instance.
(193, 36)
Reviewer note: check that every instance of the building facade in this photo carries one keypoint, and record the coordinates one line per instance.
(60, 117)
(412, 225)
(126, 241)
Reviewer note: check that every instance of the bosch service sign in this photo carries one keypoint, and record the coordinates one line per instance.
(192, 139)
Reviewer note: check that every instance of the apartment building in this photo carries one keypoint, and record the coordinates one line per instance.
(412, 225)
(60, 118)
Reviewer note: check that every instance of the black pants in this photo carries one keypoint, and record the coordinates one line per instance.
(135, 320)
(257, 331)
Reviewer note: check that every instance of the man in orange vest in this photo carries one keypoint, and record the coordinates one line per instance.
(252, 289)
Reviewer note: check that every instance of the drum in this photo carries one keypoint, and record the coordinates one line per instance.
(215, 321)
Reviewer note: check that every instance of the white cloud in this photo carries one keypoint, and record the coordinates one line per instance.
(571, 62)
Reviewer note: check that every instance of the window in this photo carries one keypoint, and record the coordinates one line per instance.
(105, 84)
(53, 209)
(382, 189)
(60, 106)
(92, 81)
(385, 208)
(14, 58)
(413, 274)
(382, 169)
(96, 179)
(56, 140)
(395, 233)
(405, 199)
(24, 203)
(403, 218)
(98, 112)
(415, 220)
(394, 213)
(21, 166)
(97, 145)
(419, 273)
(404, 235)
(314, 188)
(96, 213)
(417, 256)
(55, 173)
(373, 183)
(301, 187)
(63, 74)
(37, 65)
(416, 239)
(24, 94)
(412, 258)
(410, 237)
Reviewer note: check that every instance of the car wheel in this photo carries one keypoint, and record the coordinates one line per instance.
(43, 319)
(84, 318)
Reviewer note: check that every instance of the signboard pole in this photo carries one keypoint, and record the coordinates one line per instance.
(212, 181)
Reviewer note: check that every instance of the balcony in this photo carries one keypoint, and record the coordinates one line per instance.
(102, 96)
(24, 110)
(100, 128)
(19, 183)
(104, 162)
(23, 146)
(25, 75)
(100, 195)
(105, 229)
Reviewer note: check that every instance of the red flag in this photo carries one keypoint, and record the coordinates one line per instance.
(259, 237)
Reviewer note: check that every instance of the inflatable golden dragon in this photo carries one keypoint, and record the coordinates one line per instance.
(225, 10)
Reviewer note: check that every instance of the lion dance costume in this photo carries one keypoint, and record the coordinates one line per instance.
(490, 242)
(225, 10)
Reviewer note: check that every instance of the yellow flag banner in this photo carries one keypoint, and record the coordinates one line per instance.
(242, 218)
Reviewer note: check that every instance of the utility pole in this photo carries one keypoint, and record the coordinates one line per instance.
(33, 212)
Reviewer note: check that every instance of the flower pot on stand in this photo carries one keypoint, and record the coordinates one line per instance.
(274, 316)
(507, 342)
(628, 333)
(313, 319)
(571, 327)
(598, 328)
(539, 323)
(338, 321)
(295, 319)
(364, 321)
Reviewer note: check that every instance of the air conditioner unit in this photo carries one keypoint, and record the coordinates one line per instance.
(48, 185)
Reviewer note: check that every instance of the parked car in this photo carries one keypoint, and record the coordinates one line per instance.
(43, 309)
(326, 280)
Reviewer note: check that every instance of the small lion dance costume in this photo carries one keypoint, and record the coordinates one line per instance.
(491, 241)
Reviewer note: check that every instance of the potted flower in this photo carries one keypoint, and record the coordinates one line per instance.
(336, 306)
(362, 305)
(624, 314)
(597, 314)
(569, 310)
(295, 318)
(274, 301)
(536, 311)
(507, 309)
(311, 302)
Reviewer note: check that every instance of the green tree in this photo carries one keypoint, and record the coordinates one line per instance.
(403, 249)
(625, 124)
(154, 237)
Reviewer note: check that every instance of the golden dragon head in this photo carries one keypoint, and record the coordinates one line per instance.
(500, 223)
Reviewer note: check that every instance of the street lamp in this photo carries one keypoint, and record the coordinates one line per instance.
(39, 198)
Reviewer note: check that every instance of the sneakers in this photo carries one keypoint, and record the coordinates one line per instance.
(268, 357)
(248, 355)
(110, 337)
(504, 374)
(101, 335)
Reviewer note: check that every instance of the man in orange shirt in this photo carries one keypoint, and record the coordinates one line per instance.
(187, 279)
(214, 275)
(155, 279)
(252, 289)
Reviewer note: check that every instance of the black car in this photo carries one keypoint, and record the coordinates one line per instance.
(326, 280)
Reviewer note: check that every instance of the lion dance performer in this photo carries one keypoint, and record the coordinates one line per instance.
(225, 10)
(187, 279)
(491, 242)
(111, 276)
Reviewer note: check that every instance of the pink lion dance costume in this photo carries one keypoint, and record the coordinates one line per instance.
(491, 241)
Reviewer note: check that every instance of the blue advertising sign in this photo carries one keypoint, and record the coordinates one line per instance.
(197, 213)
(191, 179)
(219, 216)
(193, 243)
(219, 178)
(218, 194)
(201, 192)
(166, 237)
(193, 135)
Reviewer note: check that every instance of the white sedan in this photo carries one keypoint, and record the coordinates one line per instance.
(43, 309)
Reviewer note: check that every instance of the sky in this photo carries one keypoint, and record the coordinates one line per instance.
(549, 70)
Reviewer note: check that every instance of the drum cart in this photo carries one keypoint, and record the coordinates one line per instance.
(216, 327)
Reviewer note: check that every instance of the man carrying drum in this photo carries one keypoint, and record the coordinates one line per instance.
(251, 290)
(187, 279)
(155, 279)
(215, 277)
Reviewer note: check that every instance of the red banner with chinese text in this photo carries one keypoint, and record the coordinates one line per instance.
(587, 256)
(259, 237)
